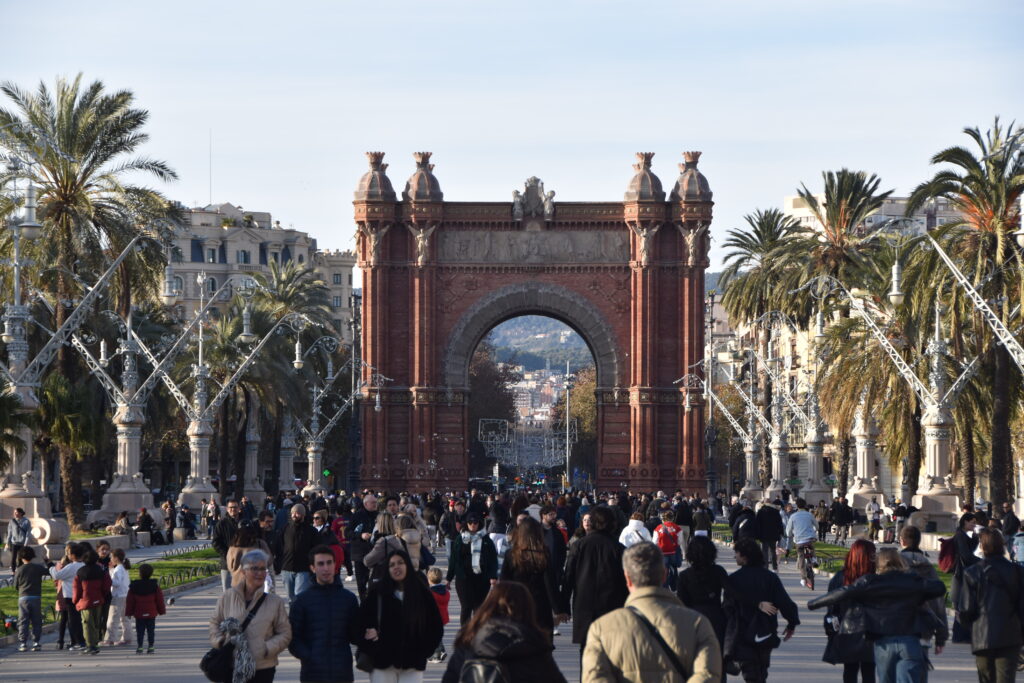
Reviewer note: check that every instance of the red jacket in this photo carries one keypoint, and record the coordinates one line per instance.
(145, 599)
(441, 596)
(91, 587)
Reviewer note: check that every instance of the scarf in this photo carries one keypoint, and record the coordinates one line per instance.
(245, 663)
(475, 543)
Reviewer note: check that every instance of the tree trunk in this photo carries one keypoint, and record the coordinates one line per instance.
(1001, 462)
(842, 480)
(967, 454)
(71, 483)
(224, 449)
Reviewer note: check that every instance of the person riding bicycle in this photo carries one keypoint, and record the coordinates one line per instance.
(803, 529)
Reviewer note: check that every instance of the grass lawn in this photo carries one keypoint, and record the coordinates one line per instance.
(86, 535)
(170, 572)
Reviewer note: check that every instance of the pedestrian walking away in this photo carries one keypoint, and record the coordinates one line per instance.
(653, 637)
(503, 641)
(145, 603)
(28, 581)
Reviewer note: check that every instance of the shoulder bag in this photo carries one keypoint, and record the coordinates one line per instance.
(661, 641)
(218, 664)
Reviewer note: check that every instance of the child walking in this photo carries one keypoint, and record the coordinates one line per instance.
(145, 602)
(441, 596)
(28, 579)
(91, 594)
(117, 620)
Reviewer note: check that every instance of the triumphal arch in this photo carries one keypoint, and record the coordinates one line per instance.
(439, 275)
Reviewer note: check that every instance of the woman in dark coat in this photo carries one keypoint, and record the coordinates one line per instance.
(505, 630)
(990, 604)
(702, 585)
(844, 621)
(593, 574)
(965, 541)
(473, 564)
(529, 563)
(401, 623)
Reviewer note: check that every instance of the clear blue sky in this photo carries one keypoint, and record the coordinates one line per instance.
(294, 93)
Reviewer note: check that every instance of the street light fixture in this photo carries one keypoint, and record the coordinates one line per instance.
(896, 293)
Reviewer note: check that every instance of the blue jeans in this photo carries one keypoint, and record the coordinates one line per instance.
(899, 659)
(295, 582)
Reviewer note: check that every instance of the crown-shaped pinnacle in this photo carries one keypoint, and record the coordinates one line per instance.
(643, 160)
(375, 159)
(422, 159)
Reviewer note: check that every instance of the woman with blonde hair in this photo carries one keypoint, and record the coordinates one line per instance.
(405, 537)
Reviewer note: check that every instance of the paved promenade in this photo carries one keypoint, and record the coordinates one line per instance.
(181, 639)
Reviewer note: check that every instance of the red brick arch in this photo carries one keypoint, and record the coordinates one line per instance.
(438, 275)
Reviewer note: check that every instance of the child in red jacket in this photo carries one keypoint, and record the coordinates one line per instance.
(441, 596)
(145, 602)
(91, 594)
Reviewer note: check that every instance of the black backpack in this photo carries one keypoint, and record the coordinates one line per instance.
(484, 671)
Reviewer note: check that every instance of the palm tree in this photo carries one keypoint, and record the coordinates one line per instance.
(12, 419)
(986, 188)
(293, 288)
(79, 141)
(752, 281)
(836, 248)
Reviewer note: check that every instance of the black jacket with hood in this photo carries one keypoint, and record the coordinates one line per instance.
(522, 650)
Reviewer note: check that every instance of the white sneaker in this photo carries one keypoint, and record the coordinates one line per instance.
(350, 578)
(803, 582)
(556, 632)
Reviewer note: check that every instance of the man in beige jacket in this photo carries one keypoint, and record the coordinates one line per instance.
(622, 647)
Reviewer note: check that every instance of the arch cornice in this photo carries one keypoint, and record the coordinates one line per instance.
(531, 299)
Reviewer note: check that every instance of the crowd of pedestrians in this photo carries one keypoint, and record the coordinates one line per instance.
(637, 575)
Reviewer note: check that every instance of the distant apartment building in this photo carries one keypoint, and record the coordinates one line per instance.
(225, 241)
(932, 214)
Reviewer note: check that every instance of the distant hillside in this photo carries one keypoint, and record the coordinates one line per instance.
(535, 340)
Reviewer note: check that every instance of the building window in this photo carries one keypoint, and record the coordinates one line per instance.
(211, 255)
(275, 256)
(336, 302)
(302, 259)
(179, 285)
(350, 279)
(337, 325)
(211, 285)
(197, 251)
(337, 278)
(242, 256)
(263, 254)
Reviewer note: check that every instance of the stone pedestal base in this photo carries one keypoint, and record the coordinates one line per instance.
(939, 506)
(254, 490)
(752, 493)
(815, 492)
(130, 500)
(774, 490)
(193, 495)
(859, 499)
(45, 529)
(314, 488)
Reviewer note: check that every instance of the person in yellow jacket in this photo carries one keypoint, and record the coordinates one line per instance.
(654, 637)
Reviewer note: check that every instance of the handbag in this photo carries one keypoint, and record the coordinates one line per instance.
(364, 660)
(218, 664)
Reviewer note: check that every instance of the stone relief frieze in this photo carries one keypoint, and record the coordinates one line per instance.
(551, 246)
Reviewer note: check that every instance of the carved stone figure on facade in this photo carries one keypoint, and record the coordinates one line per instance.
(374, 239)
(696, 241)
(517, 205)
(645, 238)
(549, 206)
(533, 197)
(422, 237)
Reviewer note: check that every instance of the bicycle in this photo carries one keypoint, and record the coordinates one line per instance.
(806, 562)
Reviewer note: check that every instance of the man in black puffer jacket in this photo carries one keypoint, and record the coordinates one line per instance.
(295, 542)
(325, 623)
